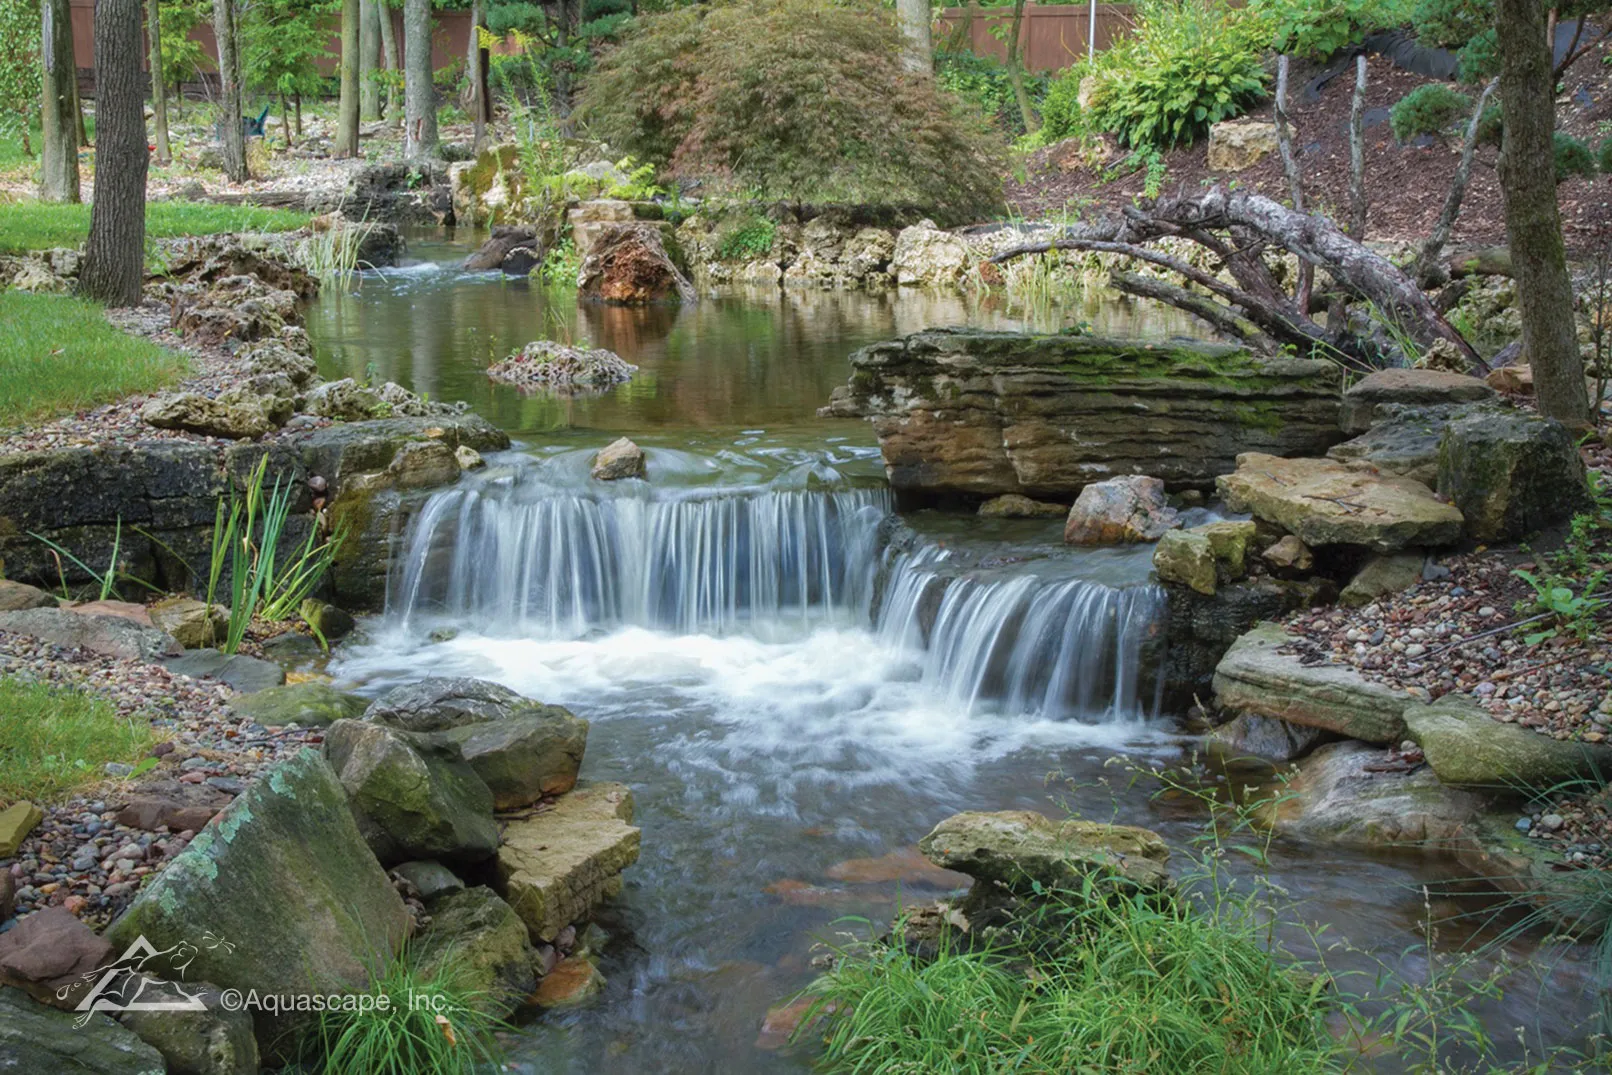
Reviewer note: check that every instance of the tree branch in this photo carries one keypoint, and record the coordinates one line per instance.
(1223, 318)
(1426, 269)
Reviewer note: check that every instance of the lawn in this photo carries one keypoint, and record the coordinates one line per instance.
(54, 741)
(39, 226)
(58, 354)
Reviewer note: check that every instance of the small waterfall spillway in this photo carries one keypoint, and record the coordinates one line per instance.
(520, 556)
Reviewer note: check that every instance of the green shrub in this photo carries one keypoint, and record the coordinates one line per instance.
(1603, 156)
(1430, 109)
(1061, 114)
(54, 740)
(793, 100)
(560, 265)
(1465, 26)
(746, 240)
(983, 83)
(1317, 30)
(1573, 157)
(1190, 65)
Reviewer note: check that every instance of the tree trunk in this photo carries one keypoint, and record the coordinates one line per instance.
(915, 18)
(226, 24)
(59, 152)
(159, 92)
(369, 54)
(1016, 71)
(79, 125)
(476, 70)
(1533, 219)
(1357, 154)
(1427, 269)
(114, 258)
(285, 119)
(394, 98)
(1290, 165)
(347, 106)
(420, 96)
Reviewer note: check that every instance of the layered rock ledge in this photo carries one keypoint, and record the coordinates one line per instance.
(979, 414)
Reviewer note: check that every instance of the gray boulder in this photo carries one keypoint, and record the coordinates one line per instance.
(34, 1038)
(1466, 746)
(216, 1041)
(311, 705)
(109, 636)
(1249, 734)
(1510, 472)
(1366, 400)
(437, 703)
(430, 879)
(284, 877)
(246, 674)
(482, 941)
(344, 401)
(237, 414)
(1018, 849)
(18, 596)
(1383, 575)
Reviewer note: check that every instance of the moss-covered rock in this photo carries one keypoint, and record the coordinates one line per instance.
(312, 705)
(1186, 558)
(1510, 472)
(1019, 849)
(480, 940)
(1466, 746)
(34, 1038)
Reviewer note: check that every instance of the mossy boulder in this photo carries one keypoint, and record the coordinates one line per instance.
(311, 704)
(1510, 472)
(480, 940)
(1466, 746)
(211, 1041)
(414, 796)
(1186, 558)
(34, 1038)
(1228, 540)
(1020, 849)
(284, 877)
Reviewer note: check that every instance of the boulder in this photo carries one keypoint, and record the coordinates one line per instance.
(1249, 734)
(630, 265)
(1238, 144)
(414, 796)
(468, 458)
(177, 812)
(1406, 387)
(1120, 511)
(311, 704)
(589, 220)
(572, 981)
(562, 368)
(284, 876)
(328, 622)
(866, 257)
(51, 955)
(19, 596)
(1014, 506)
(211, 1041)
(531, 754)
(557, 865)
(621, 458)
(966, 412)
(1021, 848)
(1467, 747)
(423, 464)
(437, 703)
(1228, 540)
(925, 256)
(34, 1038)
(1381, 576)
(109, 636)
(1355, 795)
(344, 401)
(484, 943)
(16, 822)
(1510, 472)
(430, 878)
(1289, 554)
(246, 674)
(1328, 503)
(270, 358)
(1256, 677)
(1405, 444)
(1200, 628)
(192, 623)
(237, 414)
(1187, 558)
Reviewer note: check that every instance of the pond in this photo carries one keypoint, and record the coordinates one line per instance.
(792, 707)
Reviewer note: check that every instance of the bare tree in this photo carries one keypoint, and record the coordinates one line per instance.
(916, 17)
(394, 97)
(1427, 268)
(369, 57)
(476, 68)
(1357, 154)
(1533, 218)
(114, 257)
(419, 94)
(159, 92)
(347, 107)
(226, 28)
(59, 164)
(1015, 68)
(1290, 165)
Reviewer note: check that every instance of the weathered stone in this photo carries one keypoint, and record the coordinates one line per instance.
(925, 256)
(590, 219)
(212, 1041)
(269, 358)
(1381, 576)
(1187, 558)
(572, 981)
(247, 675)
(983, 413)
(236, 414)
(328, 621)
(1289, 554)
(1327, 503)
(1467, 747)
(344, 401)
(438, 703)
(1020, 848)
(414, 796)
(468, 458)
(1238, 144)
(34, 1038)
(51, 954)
(423, 464)
(1531, 871)
(1228, 540)
(1120, 511)
(19, 596)
(621, 458)
(562, 368)
(1255, 677)
(399, 402)
(1014, 506)
(311, 704)
(1413, 387)
(155, 811)
(16, 822)
(631, 265)
(1510, 472)
(529, 755)
(109, 636)
(485, 942)
(284, 876)
(1404, 444)
(1201, 628)
(430, 878)
(1351, 795)
(192, 623)
(124, 610)
(1264, 737)
(558, 864)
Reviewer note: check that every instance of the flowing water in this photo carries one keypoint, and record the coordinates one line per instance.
(796, 683)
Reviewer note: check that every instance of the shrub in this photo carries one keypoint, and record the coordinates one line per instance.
(1061, 114)
(747, 240)
(1317, 30)
(1573, 157)
(1429, 109)
(789, 99)
(1190, 65)
(1467, 27)
(1491, 126)
(983, 83)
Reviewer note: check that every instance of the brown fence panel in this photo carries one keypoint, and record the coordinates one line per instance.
(1052, 36)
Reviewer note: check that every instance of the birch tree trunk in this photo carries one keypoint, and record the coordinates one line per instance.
(919, 55)
(59, 151)
(347, 106)
(114, 257)
(159, 91)
(226, 23)
(420, 96)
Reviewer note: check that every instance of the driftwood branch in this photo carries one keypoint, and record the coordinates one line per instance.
(1427, 269)
(1224, 318)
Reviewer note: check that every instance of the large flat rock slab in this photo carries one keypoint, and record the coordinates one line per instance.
(557, 865)
(1256, 677)
(1406, 387)
(1466, 746)
(985, 413)
(1329, 503)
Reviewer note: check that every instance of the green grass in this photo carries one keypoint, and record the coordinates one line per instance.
(39, 226)
(54, 741)
(58, 354)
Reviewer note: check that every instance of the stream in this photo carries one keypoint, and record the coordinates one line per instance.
(793, 699)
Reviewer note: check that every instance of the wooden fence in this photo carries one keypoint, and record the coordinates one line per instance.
(1051, 36)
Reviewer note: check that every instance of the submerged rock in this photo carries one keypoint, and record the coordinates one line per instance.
(1018, 849)
(1120, 511)
(557, 865)
(620, 459)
